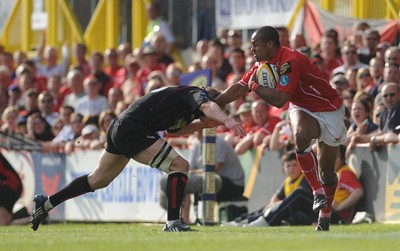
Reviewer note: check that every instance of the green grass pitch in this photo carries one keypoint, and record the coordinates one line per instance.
(138, 237)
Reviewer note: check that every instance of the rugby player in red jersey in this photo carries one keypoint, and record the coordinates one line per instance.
(315, 112)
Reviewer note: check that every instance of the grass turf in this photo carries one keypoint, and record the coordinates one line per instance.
(134, 236)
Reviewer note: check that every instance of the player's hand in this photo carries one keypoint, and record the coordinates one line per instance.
(235, 127)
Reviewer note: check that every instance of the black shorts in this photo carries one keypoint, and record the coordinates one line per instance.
(129, 140)
(9, 197)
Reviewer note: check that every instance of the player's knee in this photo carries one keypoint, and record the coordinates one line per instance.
(98, 181)
(179, 164)
(302, 139)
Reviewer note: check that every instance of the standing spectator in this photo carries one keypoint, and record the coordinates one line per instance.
(150, 63)
(209, 61)
(392, 55)
(7, 60)
(158, 24)
(237, 60)
(350, 59)
(283, 35)
(391, 73)
(158, 42)
(92, 103)
(75, 85)
(128, 86)
(50, 57)
(329, 47)
(112, 64)
(20, 57)
(46, 107)
(234, 41)
(216, 48)
(96, 71)
(376, 66)
(5, 76)
(371, 39)
(54, 87)
(79, 51)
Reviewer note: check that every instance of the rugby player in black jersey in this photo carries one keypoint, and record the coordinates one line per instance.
(180, 110)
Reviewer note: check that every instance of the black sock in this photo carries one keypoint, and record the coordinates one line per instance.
(77, 187)
(175, 191)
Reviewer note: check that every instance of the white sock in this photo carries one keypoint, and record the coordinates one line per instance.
(47, 205)
(173, 222)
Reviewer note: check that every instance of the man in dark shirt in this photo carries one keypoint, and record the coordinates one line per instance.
(135, 134)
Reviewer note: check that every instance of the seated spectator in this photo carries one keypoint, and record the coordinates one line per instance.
(389, 118)
(364, 80)
(105, 119)
(291, 203)
(9, 119)
(114, 96)
(38, 128)
(348, 192)
(121, 106)
(244, 113)
(281, 137)
(54, 87)
(263, 127)
(89, 134)
(391, 73)
(362, 126)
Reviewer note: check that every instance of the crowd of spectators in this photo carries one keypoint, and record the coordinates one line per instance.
(67, 102)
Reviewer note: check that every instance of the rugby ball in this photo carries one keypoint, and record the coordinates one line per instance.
(267, 75)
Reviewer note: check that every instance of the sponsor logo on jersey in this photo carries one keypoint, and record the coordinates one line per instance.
(285, 68)
(284, 80)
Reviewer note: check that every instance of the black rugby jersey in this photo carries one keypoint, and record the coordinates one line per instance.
(167, 108)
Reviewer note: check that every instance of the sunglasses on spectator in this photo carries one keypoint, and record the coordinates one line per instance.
(350, 53)
(364, 75)
(391, 95)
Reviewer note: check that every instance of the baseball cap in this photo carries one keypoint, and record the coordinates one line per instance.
(89, 129)
(245, 107)
(30, 92)
(339, 79)
(148, 50)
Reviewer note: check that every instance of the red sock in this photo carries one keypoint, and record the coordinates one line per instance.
(330, 194)
(309, 165)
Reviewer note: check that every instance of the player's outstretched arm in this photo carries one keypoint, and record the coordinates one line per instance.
(232, 93)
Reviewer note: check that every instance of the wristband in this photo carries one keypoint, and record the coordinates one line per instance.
(253, 85)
